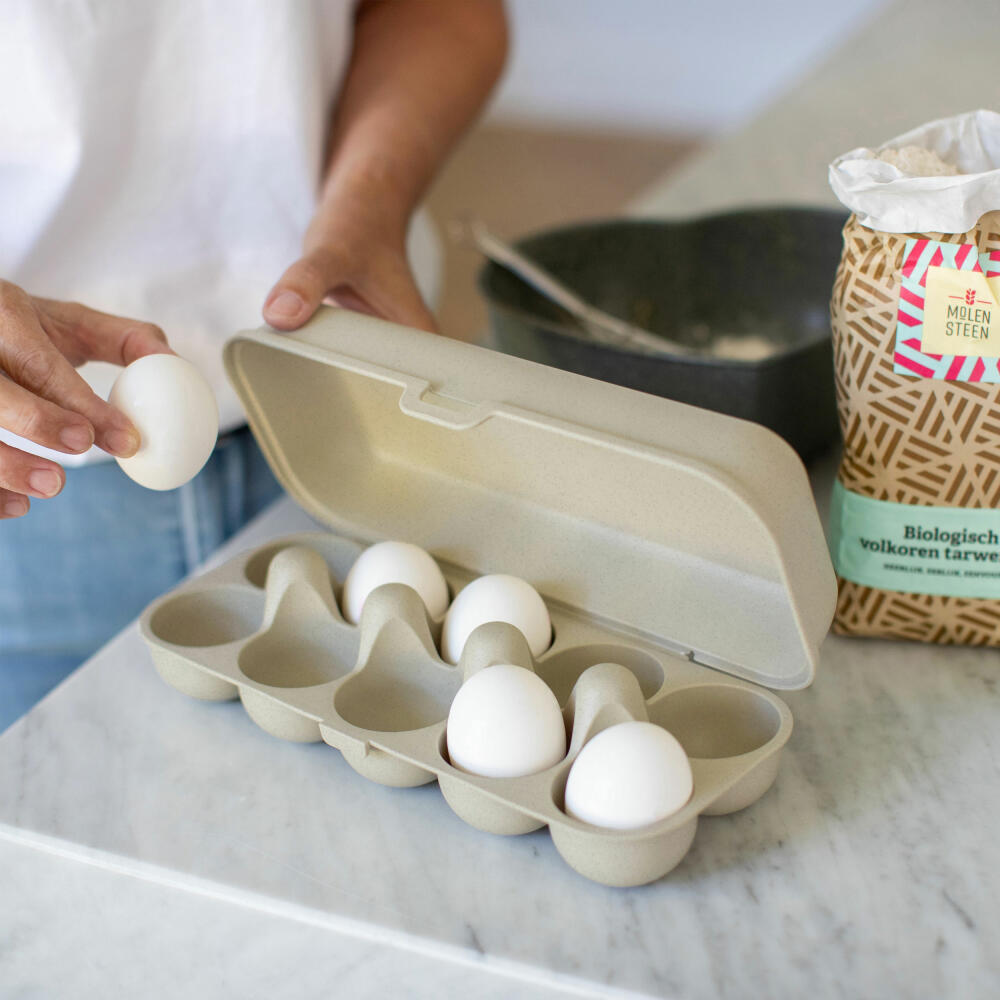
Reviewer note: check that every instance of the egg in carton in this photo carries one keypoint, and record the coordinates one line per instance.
(678, 551)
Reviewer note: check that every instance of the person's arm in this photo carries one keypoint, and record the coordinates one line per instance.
(420, 70)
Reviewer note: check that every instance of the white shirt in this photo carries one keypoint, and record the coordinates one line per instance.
(160, 159)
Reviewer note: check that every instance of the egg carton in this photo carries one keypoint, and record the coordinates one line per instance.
(266, 627)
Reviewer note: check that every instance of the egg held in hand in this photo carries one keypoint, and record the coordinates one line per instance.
(394, 562)
(174, 410)
(629, 776)
(496, 598)
(505, 722)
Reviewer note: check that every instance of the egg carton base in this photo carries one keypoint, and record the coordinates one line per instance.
(272, 634)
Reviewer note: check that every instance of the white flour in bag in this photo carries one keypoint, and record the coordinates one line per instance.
(918, 162)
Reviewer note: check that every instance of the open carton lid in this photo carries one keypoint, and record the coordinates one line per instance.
(693, 529)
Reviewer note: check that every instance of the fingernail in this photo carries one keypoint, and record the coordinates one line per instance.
(77, 438)
(124, 443)
(15, 506)
(286, 306)
(44, 482)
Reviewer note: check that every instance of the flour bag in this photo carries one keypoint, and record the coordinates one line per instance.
(915, 518)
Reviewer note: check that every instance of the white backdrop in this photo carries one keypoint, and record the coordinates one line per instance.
(696, 66)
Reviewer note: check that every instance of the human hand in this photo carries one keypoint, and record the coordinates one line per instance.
(354, 258)
(44, 400)
(419, 73)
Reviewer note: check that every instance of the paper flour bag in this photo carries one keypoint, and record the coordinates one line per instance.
(915, 520)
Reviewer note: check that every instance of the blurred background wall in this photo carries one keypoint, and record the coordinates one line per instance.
(689, 66)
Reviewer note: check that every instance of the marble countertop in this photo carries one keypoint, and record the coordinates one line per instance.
(153, 845)
(220, 857)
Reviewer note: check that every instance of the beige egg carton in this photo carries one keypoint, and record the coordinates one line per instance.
(678, 550)
(267, 628)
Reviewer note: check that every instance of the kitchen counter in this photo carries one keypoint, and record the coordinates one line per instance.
(149, 838)
(154, 845)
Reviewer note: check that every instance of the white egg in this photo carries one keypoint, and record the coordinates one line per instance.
(628, 776)
(496, 598)
(394, 562)
(174, 410)
(505, 722)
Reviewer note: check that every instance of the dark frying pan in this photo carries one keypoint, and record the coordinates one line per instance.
(759, 273)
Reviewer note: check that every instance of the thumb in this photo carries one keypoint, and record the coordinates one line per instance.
(299, 291)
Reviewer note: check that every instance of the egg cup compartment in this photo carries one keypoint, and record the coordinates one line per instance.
(401, 684)
(268, 627)
(728, 734)
(495, 805)
(201, 617)
(738, 730)
(608, 694)
(210, 617)
(713, 721)
(480, 801)
(562, 666)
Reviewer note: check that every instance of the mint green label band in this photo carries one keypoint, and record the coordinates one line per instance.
(950, 551)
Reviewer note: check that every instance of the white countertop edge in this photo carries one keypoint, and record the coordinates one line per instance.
(369, 933)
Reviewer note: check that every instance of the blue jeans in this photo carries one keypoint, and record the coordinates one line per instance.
(78, 568)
